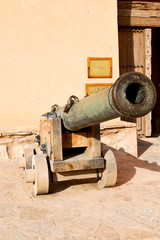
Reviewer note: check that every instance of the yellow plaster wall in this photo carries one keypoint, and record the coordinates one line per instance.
(44, 45)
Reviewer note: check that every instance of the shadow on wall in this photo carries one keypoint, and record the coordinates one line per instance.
(142, 146)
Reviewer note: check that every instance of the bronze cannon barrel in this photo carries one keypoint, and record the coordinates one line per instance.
(132, 95)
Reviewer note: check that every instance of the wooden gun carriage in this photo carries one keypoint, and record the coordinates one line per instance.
(69, 137)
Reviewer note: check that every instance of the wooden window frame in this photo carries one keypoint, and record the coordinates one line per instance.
(96, 84)
(100, 58)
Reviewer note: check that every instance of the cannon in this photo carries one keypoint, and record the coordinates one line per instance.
(69, 136)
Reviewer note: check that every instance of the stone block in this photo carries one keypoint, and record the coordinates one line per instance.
(17, 151)
(26, 139)
(3, 152)
(121, 138)
(6, 140)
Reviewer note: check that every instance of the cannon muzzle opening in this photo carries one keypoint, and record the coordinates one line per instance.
(135, 93)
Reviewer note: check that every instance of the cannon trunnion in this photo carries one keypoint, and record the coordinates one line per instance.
(69, 136)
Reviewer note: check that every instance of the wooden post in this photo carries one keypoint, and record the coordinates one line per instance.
(55, 141)
(94, 144)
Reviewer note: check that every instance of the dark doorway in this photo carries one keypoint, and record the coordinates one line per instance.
(156, 78)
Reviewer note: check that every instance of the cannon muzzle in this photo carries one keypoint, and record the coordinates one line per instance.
(132, 95)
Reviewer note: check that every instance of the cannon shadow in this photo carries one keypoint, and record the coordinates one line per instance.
(126, 169)
(126, 163)
(143, 146)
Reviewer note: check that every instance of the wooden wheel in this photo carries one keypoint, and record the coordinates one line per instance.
(25, 161)
(109, 174)
(40, 167)
(29, 151)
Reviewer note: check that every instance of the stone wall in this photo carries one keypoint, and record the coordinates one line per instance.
(120, 135)
(12, 143)
(116, 134)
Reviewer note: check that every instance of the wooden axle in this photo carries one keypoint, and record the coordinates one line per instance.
(30, 175)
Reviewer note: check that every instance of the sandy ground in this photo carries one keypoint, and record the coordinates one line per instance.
(82, 211)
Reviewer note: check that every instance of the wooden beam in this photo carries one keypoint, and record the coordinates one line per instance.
(138, 22)
(139, 14)
(80, 162)
(73, 140)
(94, 144)
(74, 175)
(144, 5)
(56, 139)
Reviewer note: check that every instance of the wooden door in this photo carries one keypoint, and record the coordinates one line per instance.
(132, 58)
(156, 77)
